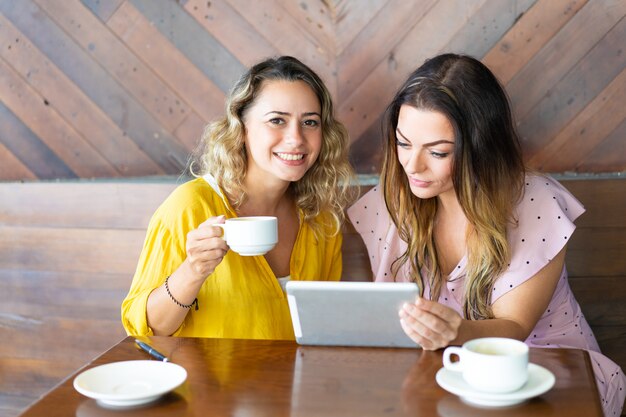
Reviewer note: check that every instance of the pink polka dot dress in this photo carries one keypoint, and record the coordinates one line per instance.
(545, 214)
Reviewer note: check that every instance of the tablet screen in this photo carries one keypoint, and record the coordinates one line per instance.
(349, 313)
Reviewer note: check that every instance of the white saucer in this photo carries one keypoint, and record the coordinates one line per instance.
(129, 383)
(539, 381)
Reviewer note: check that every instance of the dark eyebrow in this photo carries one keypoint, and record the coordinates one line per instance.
(284, 113)
(433, 143)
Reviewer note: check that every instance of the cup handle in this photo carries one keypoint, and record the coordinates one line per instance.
(223, 227)
(447, 363)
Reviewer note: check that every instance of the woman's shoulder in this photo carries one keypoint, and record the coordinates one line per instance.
(543, 194)
(370, 206)
(193, 198)
(541, 228)
(187, 194)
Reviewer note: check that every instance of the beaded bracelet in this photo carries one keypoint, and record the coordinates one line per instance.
(167, 288)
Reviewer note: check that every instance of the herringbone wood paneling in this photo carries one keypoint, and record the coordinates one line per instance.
(119, 88)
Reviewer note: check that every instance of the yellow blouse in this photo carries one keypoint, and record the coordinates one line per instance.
(242, 298)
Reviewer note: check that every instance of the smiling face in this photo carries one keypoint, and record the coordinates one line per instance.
(283, 131)
(425, 145)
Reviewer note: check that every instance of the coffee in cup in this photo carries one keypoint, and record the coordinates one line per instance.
(250, 236)
(491, 364)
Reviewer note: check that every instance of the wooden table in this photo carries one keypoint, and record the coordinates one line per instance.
(278, 378)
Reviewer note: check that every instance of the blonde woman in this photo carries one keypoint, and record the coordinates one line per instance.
(277, 152)
(457, 212)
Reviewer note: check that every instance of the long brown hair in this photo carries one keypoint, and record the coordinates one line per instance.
(488, 175)
(326, 186)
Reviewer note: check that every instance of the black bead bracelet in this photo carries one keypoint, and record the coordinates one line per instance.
(178, 303)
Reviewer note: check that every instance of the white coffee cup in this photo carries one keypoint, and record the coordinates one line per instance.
(250, 236)
(491, 364)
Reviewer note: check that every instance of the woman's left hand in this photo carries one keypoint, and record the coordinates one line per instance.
(430, 323)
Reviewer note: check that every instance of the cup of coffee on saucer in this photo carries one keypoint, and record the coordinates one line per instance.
(493, 372)
(492, 364)
(250, 236)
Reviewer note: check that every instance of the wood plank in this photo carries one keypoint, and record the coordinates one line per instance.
(72, 104)
(602, 299)
(587, 130)
(31, 297)
(603, 199)
(374, 42)
(65, 279)
(609, 155)
(314, 17)
(13, 405)
(486, 27)
(272, 22)
(351, 18)
(75, 338)
(612, 340)
(218, 18)
(528, 35)
(12, 168)
(25, 145)
(562, 53)
(32, 377)
(597, 252)
(129, 71)
(368, 100)
(40, 117)
(189, 37)
(190, 131)
(356, 264)
(67, 249)
(103, 9)
(96, 205)
(570, 95)
(167, 62)
(366, 153)
(25, 303)
(96, 83)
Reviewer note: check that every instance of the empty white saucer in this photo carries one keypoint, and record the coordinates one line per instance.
(540, 380)
(129, 383)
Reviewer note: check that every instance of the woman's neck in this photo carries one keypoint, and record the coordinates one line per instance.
(449, 208)
(264, 198)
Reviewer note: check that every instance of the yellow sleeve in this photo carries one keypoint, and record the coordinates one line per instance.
(160, 257)
(164, 248)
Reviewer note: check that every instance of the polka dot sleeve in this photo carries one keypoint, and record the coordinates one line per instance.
(371, 220)
(545, 215)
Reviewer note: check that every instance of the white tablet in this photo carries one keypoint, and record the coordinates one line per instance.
(349, 313)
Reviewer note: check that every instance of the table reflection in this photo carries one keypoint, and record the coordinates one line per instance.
(246, 378)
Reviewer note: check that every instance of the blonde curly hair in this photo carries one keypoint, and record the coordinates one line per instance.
(328, 187)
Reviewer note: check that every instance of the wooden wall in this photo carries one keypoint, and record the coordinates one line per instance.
(118, 88)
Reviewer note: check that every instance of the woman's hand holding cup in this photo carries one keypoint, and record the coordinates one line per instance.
(205, 247)
(252, 235)
(248, 236)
